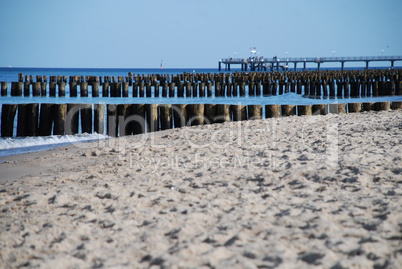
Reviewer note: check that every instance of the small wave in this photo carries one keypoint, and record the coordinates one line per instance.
(20, 145)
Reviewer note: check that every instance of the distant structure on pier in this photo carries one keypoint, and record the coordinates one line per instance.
(260, 63)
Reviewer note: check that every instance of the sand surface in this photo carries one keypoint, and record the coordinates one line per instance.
(294, 192)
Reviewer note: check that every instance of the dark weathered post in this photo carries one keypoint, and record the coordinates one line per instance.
(166, 116)
(368, 106)
(4, 86)
(196, 114)
(288, 110)
(382, 106)
(239, 112)
(152, 117)
(22, 120)
(16, 88)
(95, 87)
(112, 120)
(305, 110)
(179, 115)
(62, 87)
(73, 86)
(222, 113)
(209, 113)
(354, 107)
(84, 89)
(396, 105)
(272, 111)
(254, 112)
(52, 86)
(86, 118)
(7, 120)
(320, 109)
(106, 86)
(71, 124)
(37, 87)
(60, 111)
(99, 118)
(337, 108)
(46, 119)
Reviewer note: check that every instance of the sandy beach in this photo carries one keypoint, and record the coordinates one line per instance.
(293, 192)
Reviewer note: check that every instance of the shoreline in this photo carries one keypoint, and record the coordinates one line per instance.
(280, 192)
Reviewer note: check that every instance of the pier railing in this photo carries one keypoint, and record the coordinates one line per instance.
(311, 59)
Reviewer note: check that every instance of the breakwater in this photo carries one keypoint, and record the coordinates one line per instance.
(126, 119)
(311, 84)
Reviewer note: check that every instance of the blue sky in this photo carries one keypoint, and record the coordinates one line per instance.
(192, 33)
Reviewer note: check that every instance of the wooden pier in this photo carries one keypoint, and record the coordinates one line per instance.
(276, 64)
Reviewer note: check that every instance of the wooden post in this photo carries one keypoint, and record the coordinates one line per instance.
(123, 127)
(239, 112)
(4, 86)
(16, 88)
(396, 105)
(22, 120)
(382, 106)
(209, 89)
(138, 122)
(272, 111)
(288, 110)
(171, 89)
(196, 114)
(112, 120)
(152, 118)
(305, 110)
(319, 109)
(209, 113)
(156, 89)
(179, 115)
(218, 89)
(105, 88)
(62, 88)
(86, 118)
(37, 86)
(99, 118)
(71, 124)
(368, 106)
(337, 108)
(188, 89)
(52, 86)
(147, 89)
(95, 87)
(20, 77)
(166, 116)
(194, 89)
(222, 113)
(60, 111)
(254, 112)
(27, 88)
(46, 120)
(180, 89)
(73, 86)
(32, 113)
(7, 120)
(84, 89)
(354, 107)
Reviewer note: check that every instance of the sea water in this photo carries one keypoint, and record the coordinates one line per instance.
(10, 146)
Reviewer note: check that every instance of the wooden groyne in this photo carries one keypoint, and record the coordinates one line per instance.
(126, 119)
(311, 84)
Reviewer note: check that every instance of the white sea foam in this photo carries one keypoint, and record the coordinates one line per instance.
(20, 145)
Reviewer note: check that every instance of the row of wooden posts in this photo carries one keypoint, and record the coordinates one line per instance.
(125, 119)
(312, 84)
